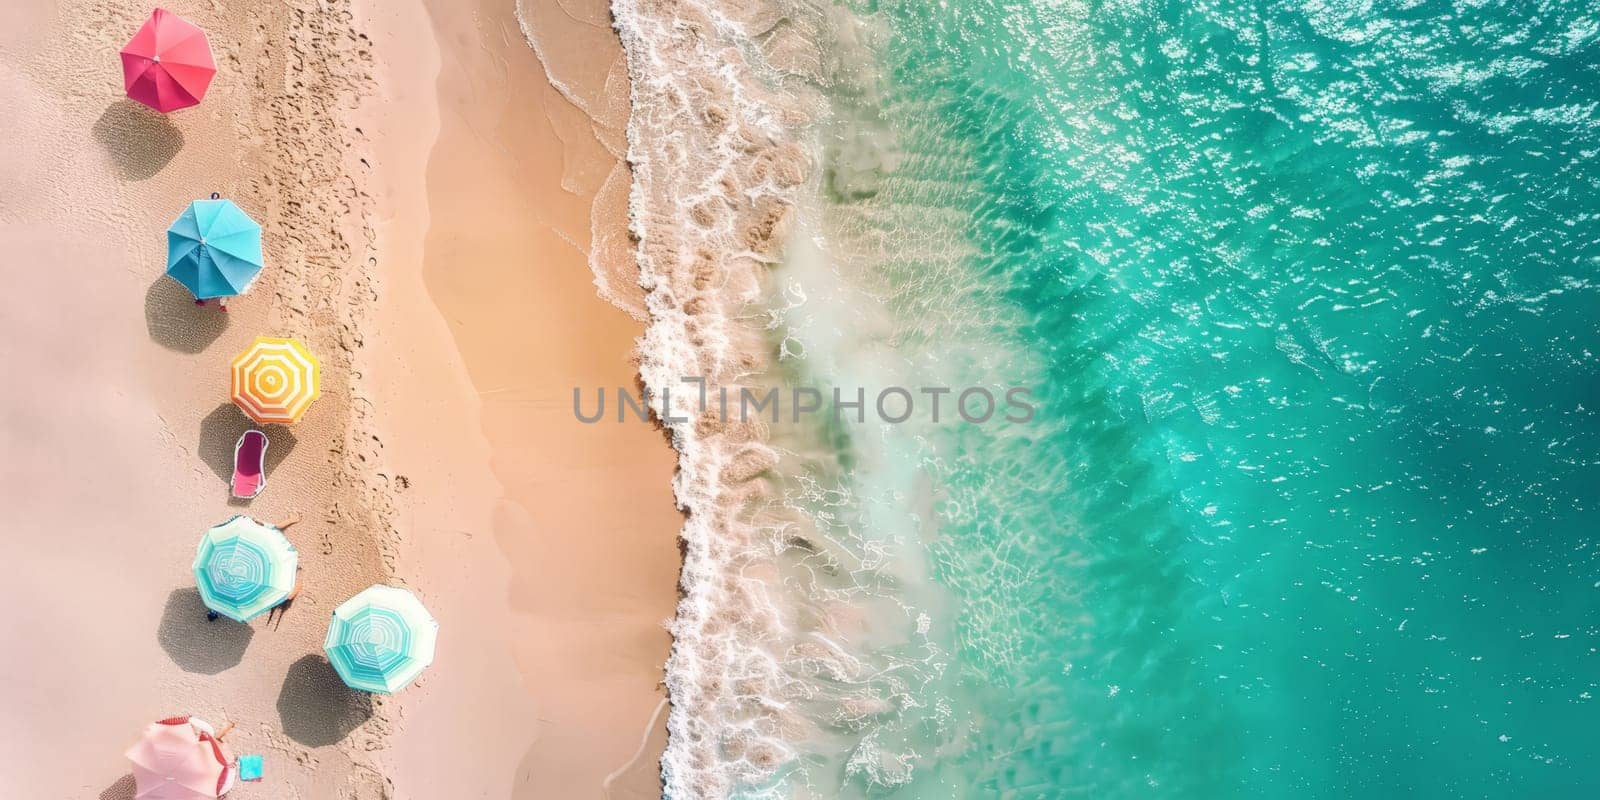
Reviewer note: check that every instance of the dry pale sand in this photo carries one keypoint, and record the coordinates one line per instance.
(407, 164)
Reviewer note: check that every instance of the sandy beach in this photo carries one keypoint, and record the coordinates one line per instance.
(425, 199)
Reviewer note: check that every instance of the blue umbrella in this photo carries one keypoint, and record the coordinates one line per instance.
(214, 249)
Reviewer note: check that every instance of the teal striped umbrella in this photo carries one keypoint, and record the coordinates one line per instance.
(214, 249)
(244, 567)
(381, 640)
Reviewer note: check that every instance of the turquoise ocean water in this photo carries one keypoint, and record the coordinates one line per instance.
(1307, 293)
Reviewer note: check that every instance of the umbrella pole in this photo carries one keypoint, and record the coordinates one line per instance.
(294, 517)
(224, 731)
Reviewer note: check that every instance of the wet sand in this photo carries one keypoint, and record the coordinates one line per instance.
(554, 541)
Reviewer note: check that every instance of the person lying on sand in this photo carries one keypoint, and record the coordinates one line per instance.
(283, 607)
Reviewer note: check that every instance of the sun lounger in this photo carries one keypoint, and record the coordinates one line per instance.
(250, 465)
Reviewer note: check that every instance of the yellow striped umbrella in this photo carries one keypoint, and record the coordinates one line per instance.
(275, 380)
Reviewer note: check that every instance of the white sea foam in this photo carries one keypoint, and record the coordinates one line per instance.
(715, 166)
(577, 68)
(803, 640)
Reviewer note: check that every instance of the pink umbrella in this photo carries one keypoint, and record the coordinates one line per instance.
(179, 759)
(168, 64)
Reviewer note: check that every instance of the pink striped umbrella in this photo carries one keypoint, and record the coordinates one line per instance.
(168, 64)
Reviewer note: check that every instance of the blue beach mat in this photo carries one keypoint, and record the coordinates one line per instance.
(249, 768)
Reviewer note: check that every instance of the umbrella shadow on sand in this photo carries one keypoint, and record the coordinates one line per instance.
(220, 431)
(316, 708)
(139, 140)
(176, 323)
(197, 644)
(121, 790)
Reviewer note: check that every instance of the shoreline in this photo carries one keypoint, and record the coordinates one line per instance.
(718, 163)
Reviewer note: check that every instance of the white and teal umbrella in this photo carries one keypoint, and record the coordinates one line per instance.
(244, 567)
(381, 640)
